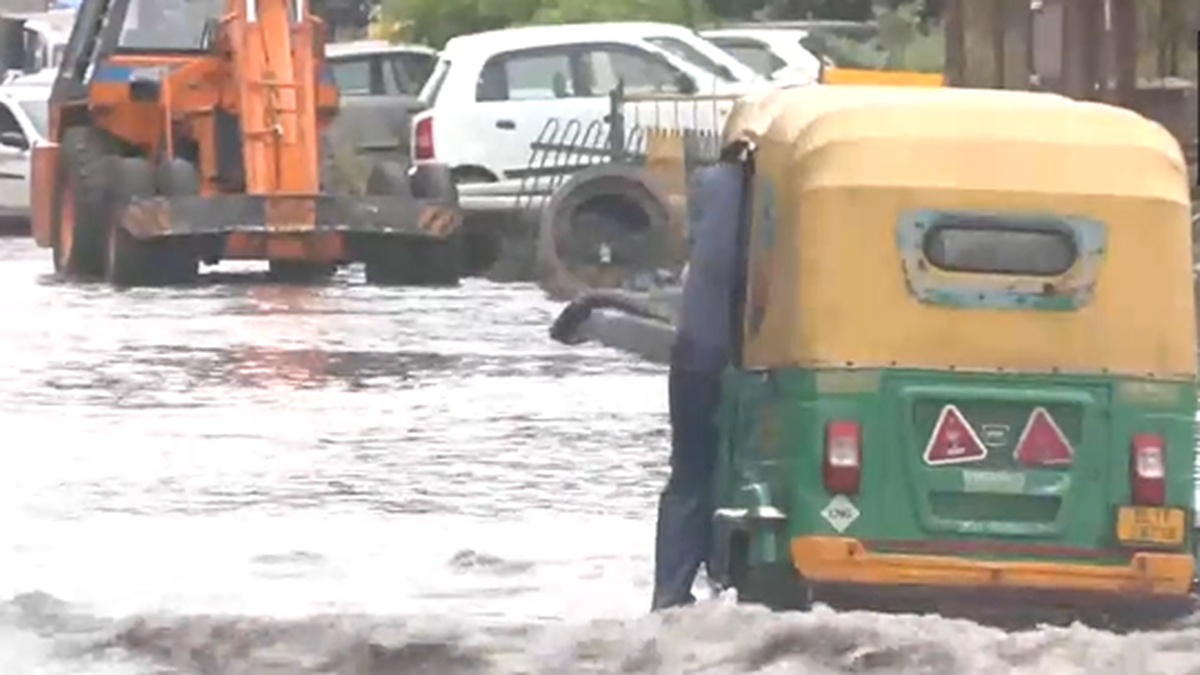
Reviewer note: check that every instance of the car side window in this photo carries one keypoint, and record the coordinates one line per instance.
(9, 123)
(527, 76)
(352, 76)
(754, 54)
(641, 71)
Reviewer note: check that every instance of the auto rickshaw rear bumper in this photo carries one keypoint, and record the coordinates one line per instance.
(843, 573)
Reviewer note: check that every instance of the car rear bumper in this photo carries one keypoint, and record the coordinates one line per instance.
(844, 574)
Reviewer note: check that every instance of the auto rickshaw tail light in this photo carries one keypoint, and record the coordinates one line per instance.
(842, 465)
(1147, 469)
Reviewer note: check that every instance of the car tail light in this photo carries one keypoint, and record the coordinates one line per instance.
(842, 468)
(1148, 469)
(423, 139)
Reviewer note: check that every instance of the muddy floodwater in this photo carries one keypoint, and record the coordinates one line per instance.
(248, 479)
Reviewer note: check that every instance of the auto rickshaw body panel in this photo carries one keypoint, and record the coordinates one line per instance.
(968, 354)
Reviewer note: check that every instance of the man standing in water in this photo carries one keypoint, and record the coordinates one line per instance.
(700, 353)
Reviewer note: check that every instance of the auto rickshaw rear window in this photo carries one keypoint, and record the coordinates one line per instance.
(996, 245)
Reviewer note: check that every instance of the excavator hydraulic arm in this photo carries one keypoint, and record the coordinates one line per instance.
(273, 60)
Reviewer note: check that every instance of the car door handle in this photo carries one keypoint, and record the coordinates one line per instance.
(506, 124)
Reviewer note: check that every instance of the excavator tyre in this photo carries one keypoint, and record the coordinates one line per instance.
(433, 260)
(141, 262)
(77, 230)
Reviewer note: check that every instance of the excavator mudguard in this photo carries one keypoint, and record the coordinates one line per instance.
(154, 217)
(43, 166)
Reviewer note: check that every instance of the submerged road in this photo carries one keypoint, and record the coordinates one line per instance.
(248, 479)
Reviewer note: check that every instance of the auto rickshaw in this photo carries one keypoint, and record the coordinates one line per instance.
(964, 376)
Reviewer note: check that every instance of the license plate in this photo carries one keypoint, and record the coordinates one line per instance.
(1150, 525)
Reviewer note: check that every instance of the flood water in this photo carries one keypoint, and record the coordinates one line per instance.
(248, 479)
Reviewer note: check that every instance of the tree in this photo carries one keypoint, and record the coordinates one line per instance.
(839, 10)
(434, 22)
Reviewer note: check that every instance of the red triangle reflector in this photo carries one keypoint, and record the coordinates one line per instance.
(953, 440)
(1042, 443)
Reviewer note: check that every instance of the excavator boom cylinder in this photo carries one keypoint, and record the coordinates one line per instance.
(278, 105)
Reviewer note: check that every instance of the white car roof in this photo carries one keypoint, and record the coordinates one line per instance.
(357, 47)
(545, 36)
(754, 32)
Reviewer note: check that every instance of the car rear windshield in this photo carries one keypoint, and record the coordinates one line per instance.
(433, 86)
(692, 55)
(999, 245)
(410, 72)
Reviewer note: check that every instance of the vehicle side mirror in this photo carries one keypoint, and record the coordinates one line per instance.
(14, 139)
(685, 84)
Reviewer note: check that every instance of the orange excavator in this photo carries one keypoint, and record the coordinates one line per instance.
(189, 131)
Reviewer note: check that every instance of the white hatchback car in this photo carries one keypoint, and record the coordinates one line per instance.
(791, 50)
(24, 122)
(492, 94)
(771, 52)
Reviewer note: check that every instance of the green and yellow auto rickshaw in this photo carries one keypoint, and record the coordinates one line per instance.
(965, 376)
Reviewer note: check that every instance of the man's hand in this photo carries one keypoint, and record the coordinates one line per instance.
(566, 327)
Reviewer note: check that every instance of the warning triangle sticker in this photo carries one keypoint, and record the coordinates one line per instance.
(1042, 442)
(953, 441)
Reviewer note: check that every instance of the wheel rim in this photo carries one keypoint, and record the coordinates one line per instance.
(66, 226)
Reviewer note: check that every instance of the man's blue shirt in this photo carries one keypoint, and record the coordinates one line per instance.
(714, 199)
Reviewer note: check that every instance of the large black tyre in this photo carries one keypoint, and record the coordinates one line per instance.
(177, 177)
(442, 259)
(775, 586)
(80, 217)
(411, 261)
(389, 178)
(129, 259)
(434, 182)
(605, 225)
(334, 178)
(174, 263)
(135, 262)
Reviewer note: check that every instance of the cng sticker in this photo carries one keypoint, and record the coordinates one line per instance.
(953, 441)
(1043, 443)
(840, 513)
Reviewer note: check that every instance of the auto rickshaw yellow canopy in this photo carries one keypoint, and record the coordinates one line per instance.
(846, 163)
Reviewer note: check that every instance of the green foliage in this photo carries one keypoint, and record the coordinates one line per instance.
(908, 40)
(686, 12)
(904, 41)
(841, 10)
(910, 35)
(434, 22)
